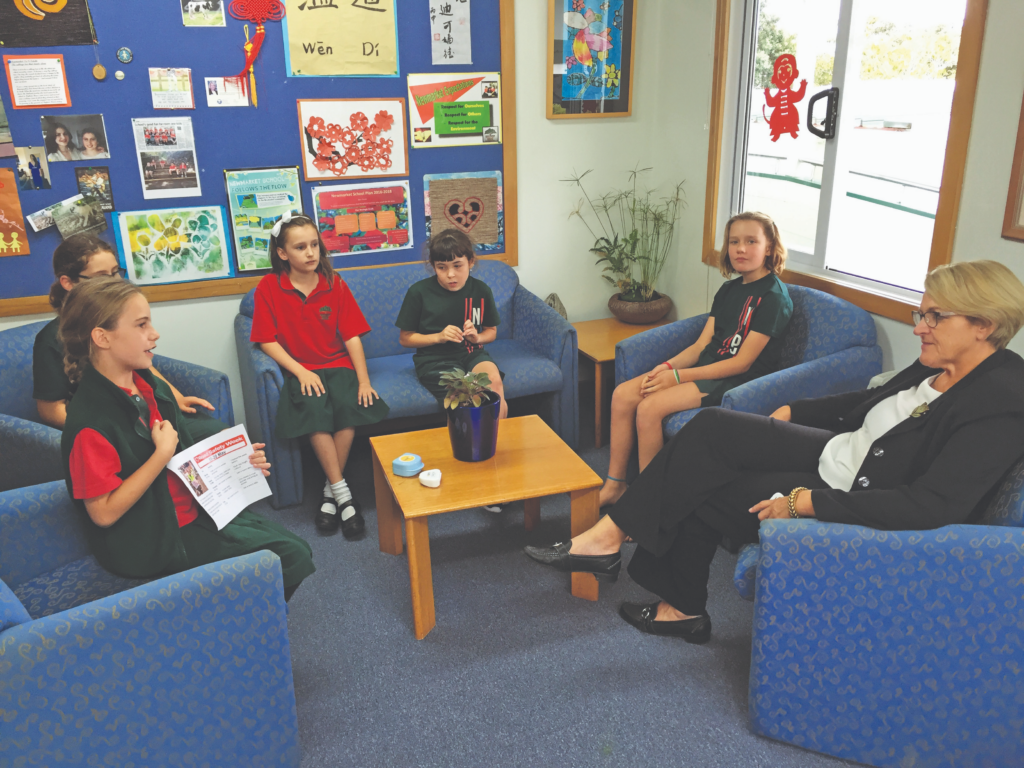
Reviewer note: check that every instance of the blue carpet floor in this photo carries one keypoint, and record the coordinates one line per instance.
(517, 672)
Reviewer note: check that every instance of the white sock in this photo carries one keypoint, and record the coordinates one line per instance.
(342, 494)
(326, 506)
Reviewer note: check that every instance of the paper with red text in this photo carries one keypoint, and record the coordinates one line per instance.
(218, 473)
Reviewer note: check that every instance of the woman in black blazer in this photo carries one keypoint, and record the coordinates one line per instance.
(926, 449)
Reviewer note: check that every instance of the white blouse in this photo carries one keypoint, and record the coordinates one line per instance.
(844, 453)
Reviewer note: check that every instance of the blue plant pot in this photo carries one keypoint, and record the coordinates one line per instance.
(474, 431)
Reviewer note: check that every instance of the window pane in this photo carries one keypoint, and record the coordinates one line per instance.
(895, 143)
(783, 173)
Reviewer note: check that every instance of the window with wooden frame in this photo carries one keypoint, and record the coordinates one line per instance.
(865, 182)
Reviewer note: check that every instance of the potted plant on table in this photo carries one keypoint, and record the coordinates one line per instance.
(633, 245)
(472, 408)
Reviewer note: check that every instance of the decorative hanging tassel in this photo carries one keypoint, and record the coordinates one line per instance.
(252, 50)
(256, 11)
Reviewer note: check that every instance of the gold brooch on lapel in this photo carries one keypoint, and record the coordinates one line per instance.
(920, 411)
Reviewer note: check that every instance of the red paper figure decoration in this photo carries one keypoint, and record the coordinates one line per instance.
(785, 117)
(360, 144)
(256, 11)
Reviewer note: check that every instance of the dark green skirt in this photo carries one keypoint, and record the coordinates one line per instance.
(299, 414)
(201, 425)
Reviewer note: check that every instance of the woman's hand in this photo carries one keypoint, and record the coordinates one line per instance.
(309, 383)
(165, 438)
(779, 508)
(657, 383)
(784, 413)
(366, 395)
(185, 404)
(451, 333)
(469, 332)
(259, 458)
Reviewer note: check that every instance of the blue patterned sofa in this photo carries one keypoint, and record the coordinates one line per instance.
(536, 349)
(192, 669)
(30, 450)
(892, 648)
(830, 348)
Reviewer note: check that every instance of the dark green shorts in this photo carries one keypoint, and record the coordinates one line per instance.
(299, 414)
(429, 371)
(244, 535)
(201, 425)
(715, 389)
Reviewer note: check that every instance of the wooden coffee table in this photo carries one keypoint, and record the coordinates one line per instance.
(531, 462)
(597, 340)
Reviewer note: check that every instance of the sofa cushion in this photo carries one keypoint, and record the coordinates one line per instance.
(16, 370)
(12, 612)
(745, 576)
(822, 325)
(69, 586)
(1007, 507)
(526, 372)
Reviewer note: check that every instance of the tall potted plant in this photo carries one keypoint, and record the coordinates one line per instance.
(472, 408)
(632, 234)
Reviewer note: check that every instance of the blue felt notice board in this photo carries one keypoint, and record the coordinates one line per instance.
(237, 137)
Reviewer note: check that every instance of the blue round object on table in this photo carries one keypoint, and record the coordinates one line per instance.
(407, 465)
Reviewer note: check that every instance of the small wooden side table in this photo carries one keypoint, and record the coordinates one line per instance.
(597, 340)
(531, 462)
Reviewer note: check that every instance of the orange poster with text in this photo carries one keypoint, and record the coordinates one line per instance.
(13, 241)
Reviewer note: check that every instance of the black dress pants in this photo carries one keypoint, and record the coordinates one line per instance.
(700, 487)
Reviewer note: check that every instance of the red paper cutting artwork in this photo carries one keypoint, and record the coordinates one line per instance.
(784, 118)
(360, 144)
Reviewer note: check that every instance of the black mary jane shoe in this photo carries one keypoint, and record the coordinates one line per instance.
(326, 521)
(602, 566)
(696, 630)
(355, 526)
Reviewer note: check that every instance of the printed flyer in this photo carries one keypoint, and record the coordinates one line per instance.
(167, 157)
(454, 110)
(257, 197)
(363, 217)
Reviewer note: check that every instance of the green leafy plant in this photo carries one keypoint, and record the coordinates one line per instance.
(465, 389)
(632, 233)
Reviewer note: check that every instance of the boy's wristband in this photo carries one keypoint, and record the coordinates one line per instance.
(676, 374)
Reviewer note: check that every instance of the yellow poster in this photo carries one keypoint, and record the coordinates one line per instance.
(330, 38)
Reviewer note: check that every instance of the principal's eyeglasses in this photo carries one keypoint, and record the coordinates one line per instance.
(931, 318)
(119, 272)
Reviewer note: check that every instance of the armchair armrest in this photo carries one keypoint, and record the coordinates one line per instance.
(638, 354)
(40, 530)
(204, 652)
(29, 453)
(539, 327)
(198, 381)
(844, 371)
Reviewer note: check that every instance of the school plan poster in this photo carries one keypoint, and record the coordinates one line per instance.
(257, 197)
(355, 218)
(454, 110)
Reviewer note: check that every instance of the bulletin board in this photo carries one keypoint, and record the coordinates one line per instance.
(240, 137)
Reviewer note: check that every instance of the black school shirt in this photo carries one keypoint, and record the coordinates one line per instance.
(429, 308)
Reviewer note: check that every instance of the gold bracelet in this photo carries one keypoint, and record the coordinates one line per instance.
(792, 501)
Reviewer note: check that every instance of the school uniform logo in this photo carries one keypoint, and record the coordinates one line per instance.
(731, 344)
(325, 312)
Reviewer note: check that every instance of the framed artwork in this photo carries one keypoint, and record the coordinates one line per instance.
(1013, 219)
(174, 245)
(363, 217)
(257, 198)
(591, 45)
(469, 202)
(353, 138)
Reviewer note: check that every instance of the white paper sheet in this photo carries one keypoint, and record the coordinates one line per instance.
(450, 39)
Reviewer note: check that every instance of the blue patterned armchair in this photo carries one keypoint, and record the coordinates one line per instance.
(830, 348)
(99, 670)
(30, 450)
(536, 349)
(892, 648)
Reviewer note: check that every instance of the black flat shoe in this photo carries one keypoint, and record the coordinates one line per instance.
(696, 630)
(602, 566)
(327, 521)
(355, 526)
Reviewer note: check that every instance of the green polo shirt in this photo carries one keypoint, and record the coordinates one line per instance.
(429, 308)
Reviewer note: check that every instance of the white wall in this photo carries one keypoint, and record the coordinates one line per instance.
(668, 130)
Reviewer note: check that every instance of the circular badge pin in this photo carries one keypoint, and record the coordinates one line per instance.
(99, 72)
(119, 75)
(124, 55)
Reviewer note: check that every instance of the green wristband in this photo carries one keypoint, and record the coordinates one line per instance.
(676, 374)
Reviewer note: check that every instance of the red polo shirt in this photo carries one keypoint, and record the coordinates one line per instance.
(313, 329)
(94, 463)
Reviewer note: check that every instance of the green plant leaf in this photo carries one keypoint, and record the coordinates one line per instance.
(447, 402)
(476, 401)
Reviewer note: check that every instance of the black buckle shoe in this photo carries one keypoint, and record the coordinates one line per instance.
(696, 630)
(355, 526)
(327, 521)
(557, 556)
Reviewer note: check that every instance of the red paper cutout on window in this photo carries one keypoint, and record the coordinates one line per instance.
(337, 148)
(784, 118)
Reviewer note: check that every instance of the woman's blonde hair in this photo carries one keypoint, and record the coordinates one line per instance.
(774, 259)
(985, 291)
(96, 303)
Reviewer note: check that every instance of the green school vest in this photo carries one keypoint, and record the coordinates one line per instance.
(146, 540)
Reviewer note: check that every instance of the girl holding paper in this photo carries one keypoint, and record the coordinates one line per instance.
(122, 429)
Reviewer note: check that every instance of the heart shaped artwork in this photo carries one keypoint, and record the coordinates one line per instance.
(464, 214)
